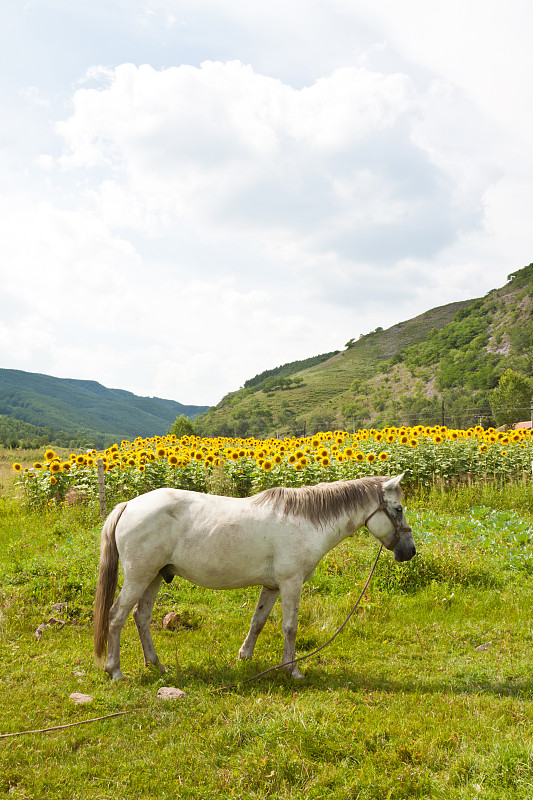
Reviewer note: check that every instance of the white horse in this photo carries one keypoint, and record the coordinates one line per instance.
(274, 539)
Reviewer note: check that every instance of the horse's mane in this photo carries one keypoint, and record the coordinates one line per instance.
(324, 501)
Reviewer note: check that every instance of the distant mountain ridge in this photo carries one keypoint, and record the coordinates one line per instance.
(86, 407)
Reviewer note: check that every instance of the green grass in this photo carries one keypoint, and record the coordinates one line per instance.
(401, 705)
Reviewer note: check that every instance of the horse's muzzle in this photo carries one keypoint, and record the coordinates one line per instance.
(404, 551)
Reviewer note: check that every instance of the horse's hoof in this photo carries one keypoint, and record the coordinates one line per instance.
(293, 672)
(244, 656)
(116, 675)
(297, 675)
(155, 665)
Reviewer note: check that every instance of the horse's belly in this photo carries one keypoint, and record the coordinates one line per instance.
(213, 576)
(216, 581)
(225, 563)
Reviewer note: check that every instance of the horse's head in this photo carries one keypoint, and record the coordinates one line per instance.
(388, 523)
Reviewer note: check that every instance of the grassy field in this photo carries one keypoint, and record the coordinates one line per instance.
(427, 693)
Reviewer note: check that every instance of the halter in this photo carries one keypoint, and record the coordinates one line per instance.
(398, 527)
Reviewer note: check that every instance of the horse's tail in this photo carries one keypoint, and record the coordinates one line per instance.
(107, 582)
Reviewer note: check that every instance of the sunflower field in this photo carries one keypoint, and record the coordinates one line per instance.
(241, 467)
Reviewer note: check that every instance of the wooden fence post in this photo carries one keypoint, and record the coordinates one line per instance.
(101, 488)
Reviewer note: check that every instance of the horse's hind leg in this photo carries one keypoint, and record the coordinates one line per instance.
(142, 614)
(267, 598)
(128, 596)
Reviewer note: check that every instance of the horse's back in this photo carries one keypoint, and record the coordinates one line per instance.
(180, 505)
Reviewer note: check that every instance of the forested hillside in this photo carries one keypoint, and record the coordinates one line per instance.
(61, 409)
(441, 366)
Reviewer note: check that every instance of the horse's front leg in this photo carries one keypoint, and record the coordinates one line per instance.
(267, 598)
(142, 614)
(290, 602)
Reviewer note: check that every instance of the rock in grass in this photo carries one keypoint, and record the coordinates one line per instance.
(39, 632)
(171, 621)
(79, 699)
(170, 693)
(44, 625)
(174, 621)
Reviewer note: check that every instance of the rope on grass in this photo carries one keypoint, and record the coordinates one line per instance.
(70, 724)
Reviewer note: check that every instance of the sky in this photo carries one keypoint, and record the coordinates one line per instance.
(194, 191)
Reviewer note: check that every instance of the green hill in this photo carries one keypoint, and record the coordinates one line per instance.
(439, 366)
(63, 408)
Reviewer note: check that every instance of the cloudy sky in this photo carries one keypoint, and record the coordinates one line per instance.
(193, 191)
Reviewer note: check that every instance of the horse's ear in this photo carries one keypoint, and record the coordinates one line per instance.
(393, 483)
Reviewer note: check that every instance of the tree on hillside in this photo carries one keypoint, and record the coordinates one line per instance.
(182, 427)
(510, 400)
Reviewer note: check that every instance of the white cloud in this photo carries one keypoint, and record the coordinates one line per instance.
(186, 224)
(222, 148)
(482, 47)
